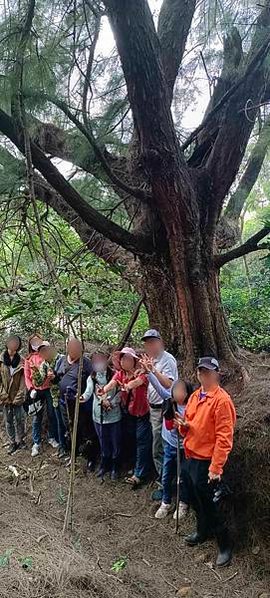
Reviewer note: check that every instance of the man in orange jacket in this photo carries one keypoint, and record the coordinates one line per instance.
(208, 431)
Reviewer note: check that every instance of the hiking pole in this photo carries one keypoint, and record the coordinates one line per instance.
(178, 482)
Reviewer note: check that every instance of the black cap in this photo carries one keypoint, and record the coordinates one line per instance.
(209, 363)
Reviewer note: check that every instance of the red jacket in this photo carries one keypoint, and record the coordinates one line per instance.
(209, 434)
(136, 400)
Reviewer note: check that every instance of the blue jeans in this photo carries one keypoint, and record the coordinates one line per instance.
(46, 398)
(143, 434)
(61, 428)
(169, 474)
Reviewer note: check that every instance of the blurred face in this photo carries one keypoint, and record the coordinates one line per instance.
(99, 363)
(52, 353)
(45, 353)
(74, 349)
(13, 344)
(180, 393)
(153, 347)
(208, 378)
(127, 363)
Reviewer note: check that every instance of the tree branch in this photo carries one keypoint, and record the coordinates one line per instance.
(174, 23)
(232, 62)
(92, 217)
(256, 61)
(110, 252)
(233, 135)
(247, 247)
(251, 173)
(138, 193)
(140, 53)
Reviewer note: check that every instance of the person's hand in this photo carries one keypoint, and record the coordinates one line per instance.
(213, 477)
(51, 375)
(125, 387)
(106, 404)
(179, 421)
(82, 400)
(100, 391)
(147, 363)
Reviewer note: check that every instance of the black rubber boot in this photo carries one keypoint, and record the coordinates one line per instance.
(195, 539)
(225, 549)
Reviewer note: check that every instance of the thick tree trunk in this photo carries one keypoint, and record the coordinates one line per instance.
(189, 314)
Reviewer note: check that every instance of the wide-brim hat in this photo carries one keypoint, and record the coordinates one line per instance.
(43, 344)
(117, 355)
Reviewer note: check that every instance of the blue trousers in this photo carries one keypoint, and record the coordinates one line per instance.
(109, 436)
(139, 429)
(37, 419)
(169, 472)
(61, 428)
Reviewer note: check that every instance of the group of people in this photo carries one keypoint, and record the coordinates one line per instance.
(134, 411)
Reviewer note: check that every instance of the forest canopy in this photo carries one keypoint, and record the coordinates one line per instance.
(107, 193)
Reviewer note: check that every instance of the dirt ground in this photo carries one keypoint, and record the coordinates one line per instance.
(110, 522)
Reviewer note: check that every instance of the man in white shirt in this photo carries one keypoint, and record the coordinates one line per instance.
(166, 372)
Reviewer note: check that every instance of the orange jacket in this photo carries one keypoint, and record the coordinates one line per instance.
(211, 422)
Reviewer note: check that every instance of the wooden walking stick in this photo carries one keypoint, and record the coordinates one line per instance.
(69, 507)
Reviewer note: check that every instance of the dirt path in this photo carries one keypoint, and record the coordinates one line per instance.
(110, 522)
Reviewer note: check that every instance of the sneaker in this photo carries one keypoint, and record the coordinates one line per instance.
(12, 448)
(182, 511)
(163, 511)
(35, 450)
(52, 442)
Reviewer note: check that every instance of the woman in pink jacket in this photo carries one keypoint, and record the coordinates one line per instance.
(38, 379)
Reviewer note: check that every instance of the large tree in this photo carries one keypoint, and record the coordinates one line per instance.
(178, 229)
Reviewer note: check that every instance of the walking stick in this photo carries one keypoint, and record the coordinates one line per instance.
(102, 439)
(69, 507)
(68, 417)
(178, 482)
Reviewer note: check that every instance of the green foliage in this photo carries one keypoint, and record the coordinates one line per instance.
(119, 565)
(5, 558)
(247, 304)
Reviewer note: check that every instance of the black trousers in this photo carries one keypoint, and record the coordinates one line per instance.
(87, 440)
(210, 520)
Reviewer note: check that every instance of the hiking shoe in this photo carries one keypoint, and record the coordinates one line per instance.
(22, 446)
(91, 466)
(157, 495)
(12, 448)
(182, 511)
(35, 450)
(52, 442)
(163, 511)
(62, 453)
(114, 475)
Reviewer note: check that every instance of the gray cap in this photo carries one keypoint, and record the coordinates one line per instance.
(151, 334)
(208, 363)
